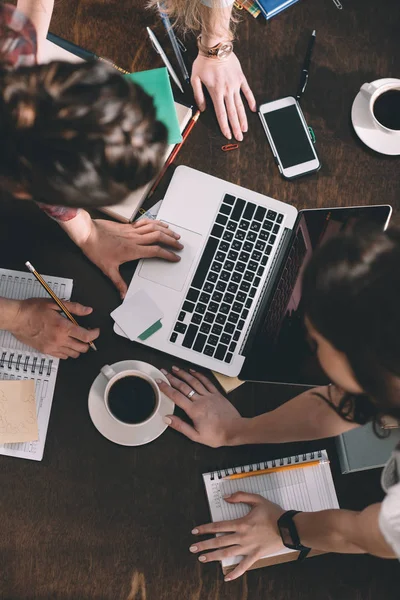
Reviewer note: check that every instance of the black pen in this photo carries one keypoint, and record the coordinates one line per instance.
(306, 66)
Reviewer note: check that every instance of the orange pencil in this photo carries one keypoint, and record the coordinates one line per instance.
(175, 151)
(312, 463)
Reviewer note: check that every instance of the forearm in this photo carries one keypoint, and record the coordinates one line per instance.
(306, 417)
(344, 531)
(39, 12)
(216, 24)
(8, 312)
(78, 228)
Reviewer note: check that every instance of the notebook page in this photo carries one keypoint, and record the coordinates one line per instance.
(19, 285)
(308, 489)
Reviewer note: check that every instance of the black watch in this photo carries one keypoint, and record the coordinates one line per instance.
(289, 533)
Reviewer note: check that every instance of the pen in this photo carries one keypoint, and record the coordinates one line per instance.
(312, 463)
(81, 52)
(175, 151)
(55, 298)
(158, 48)
(174, 42)
(306, 66)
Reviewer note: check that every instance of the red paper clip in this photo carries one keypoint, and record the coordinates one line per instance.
(229, 147)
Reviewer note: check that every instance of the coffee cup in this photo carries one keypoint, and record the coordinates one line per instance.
(131, 397)
(384, 104)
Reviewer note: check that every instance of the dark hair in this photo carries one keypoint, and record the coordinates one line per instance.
(77, 134)
(351, 295)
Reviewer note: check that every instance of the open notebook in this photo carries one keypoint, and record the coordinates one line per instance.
(305, 488)
(19, 361)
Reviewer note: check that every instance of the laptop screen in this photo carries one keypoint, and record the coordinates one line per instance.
(280, 351)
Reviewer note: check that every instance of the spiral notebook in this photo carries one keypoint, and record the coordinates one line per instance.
(306, 488)
(19, 361)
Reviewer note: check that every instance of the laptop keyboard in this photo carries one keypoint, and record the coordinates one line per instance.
(218, 301)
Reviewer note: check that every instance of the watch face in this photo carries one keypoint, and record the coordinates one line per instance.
(225, 50)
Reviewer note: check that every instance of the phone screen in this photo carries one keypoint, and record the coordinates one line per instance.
(290, 138)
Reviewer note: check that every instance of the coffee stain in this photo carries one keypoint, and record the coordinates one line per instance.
(138, 587)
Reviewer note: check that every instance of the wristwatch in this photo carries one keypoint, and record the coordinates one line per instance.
(221, 51)
(289, 534)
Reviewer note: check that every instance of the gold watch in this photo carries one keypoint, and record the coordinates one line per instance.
(221, 51)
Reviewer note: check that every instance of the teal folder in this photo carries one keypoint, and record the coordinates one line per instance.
(360, 449)
(156, 83)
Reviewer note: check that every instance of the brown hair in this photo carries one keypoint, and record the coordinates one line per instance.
(77, 135)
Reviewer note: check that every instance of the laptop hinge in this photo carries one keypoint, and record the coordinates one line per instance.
(268, 289)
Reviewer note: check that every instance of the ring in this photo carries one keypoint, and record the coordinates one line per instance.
(191, 393)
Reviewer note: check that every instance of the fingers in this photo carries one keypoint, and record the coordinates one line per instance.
(151, 227)
(242, 567)
(210, 387)
(84, 335)
(193, 382)
(117, 280)
(220, 112)
(241, 113)
(160, 237)
(233, 118)
(158, 252)
(179, 425)
(248, 94)
(220, 554)
(179, 399)
(75, 308)
(198, 93)
(219, 527)
(178, 384)
(216, 542)
(252, 499)
(146, 221)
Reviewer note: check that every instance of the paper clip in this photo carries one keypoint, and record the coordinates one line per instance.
(338, 4)
(229, 147)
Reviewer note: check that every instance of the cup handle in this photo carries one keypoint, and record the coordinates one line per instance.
(108, 372)
(367, 89)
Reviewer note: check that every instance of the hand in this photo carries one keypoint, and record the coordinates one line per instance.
(215, 420)
(224, 80)
(110, 244)
(39, 324)
(252, 536)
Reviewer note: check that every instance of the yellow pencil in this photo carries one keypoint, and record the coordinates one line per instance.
(312, 463)
(55, 298)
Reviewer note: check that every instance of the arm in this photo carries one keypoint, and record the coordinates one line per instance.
(224, 79)
(39, 12)
(217, 423)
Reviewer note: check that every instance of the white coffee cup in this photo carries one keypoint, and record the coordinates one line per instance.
(372, 91)
(112, 377)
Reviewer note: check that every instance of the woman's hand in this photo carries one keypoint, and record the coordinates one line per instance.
(110, 244)
(215, 420)
(253, 537)
(225, 81)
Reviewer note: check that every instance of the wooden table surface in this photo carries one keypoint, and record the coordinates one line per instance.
(97, 521)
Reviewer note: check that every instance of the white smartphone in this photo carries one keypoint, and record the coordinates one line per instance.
(289, 138)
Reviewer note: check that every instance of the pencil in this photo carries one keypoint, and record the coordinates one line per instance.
(55, 298)
(312, 463)
(175, 151)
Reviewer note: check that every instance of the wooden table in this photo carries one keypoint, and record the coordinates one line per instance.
(95, 520)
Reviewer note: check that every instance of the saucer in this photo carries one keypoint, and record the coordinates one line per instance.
(368, 131)
(119, 433)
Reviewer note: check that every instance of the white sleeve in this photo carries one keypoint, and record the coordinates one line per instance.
(389, 518)
(217, 3)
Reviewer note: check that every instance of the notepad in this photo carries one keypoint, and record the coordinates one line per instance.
(21, 362)
(306, 489)
(156, 83)
(270, 8)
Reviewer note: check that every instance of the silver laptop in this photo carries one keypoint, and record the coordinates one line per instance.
(236, 243)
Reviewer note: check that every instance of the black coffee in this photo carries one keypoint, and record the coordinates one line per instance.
(131, 399)
(387, 109)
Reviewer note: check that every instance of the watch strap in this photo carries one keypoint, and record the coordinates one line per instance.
(286, 521)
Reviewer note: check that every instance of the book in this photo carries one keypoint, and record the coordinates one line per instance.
(127, 210)
(305, 488)
(21, 362)
(361, 449)
(270, 8)
(250, 5)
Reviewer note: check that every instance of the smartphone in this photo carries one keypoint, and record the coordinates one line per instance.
(289, 138)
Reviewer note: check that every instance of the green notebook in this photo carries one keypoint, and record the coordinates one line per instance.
(156, 83)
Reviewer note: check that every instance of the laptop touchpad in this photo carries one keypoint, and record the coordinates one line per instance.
(174, 275)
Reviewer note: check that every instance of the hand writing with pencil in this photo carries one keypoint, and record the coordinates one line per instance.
(38, 323)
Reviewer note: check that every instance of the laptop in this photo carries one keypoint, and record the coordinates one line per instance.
(243, 254)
